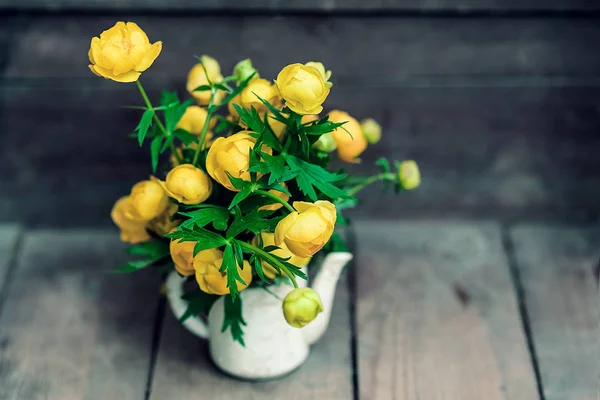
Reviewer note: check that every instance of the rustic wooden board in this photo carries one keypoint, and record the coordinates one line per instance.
(9, 235)
(436, 314)
(183, 370)
(558, 272)
(68, 329)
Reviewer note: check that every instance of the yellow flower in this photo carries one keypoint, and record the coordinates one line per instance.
(197, 77)
(231, 155)
(301, 306)
(207, 264)
(268, 239)
(187, 184)
(321, 68)
(122, 53)
(132, 231)
(308, 229)
(182, 254)
(147, 200)
(371, 130)
(260, 88)
(309, 118)
(193, 120)
(303, 88)
(349, 137)
(409, 175)
(164, 223)
(276, 206)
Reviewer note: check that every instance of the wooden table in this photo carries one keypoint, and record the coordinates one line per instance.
(430, 310)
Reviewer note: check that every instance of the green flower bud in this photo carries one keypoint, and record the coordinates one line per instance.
(409, 175)
(326, 143)
(371, 130)
(243, 70)
(301, 306)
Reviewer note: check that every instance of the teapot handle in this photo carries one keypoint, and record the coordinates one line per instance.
(174, 286)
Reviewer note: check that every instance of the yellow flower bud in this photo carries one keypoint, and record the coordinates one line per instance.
(231, 155)
(132, 231)
(122, 53)
(193, 120)
(197, 77)
(187, 184)
(371, 130)
(276, 206)
(308, 229)
(321, 68)
(165, 223)
(244, 69)
(207, 264)
(260, 88)
(182, 254)
(326, 143)
(301, 306)
(303, 88)
(147, 200)
(268, 239)
(409, 175)
(349, 137)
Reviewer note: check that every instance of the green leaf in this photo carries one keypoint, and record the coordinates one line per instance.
(384, 164)
(155, 146)
(219, 216)
(204, 239)
(230, 266)
(185, 137)
(238, 89)
(233, 318)
(202, 88)
(149, 252)
(310, 176)
(198, 302)
(242, 194)
(142, 127)
(254, 222)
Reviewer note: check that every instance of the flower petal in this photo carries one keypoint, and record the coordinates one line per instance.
(151, 55)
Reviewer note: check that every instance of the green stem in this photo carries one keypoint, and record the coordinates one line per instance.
(272, 260)
(276, 198)
(157, 120)
(205, 127)
(372, 179)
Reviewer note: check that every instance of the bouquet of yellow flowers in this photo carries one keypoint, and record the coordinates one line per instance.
(245, 197)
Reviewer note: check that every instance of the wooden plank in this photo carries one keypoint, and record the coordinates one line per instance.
(436, 314)
(183, 369)
(9, 235)
(557, 268)
(395, 47)
(330, 6)
(69, 330)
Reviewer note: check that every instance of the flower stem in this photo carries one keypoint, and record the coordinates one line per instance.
(276, 198)
(205, 127)
(372, 179)
(157, 120)
(272, 260)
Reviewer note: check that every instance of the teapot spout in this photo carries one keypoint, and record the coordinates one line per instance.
(325, 285)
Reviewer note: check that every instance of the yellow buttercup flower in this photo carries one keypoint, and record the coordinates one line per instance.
(276, 206)
(371, 130)
(321, 68)
(165, 223)
(308, 229)
(268, 239)
(231, 155)
(409, 175)
(147, 200)
(193, 120)
(187, 184)
(303, 88)
(132, 231)
(122, 52)
(301, 306)
(207, 264)
(197, 77)
(260, 88)
(349, 138)
(182, 254)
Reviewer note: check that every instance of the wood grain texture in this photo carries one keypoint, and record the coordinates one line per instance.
(184, 371)
(557, 271)
(436, 314)
(68, 329)
(9, 235)
(395, 48)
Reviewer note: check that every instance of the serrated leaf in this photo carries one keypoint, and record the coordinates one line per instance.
(185, 137)
(219, 216)
(233, 318)
(238, 89)
(241, 195)
(142, 127)
(155, 147)
(150, 252)
(255, 222)
(198, 302)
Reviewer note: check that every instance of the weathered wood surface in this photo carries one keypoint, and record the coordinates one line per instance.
(437, 315)
(68, 329)
(329, 6)
(184, 371)
(9, 235)
(558, 272)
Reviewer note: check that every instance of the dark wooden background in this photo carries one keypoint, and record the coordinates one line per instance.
(498, 100)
